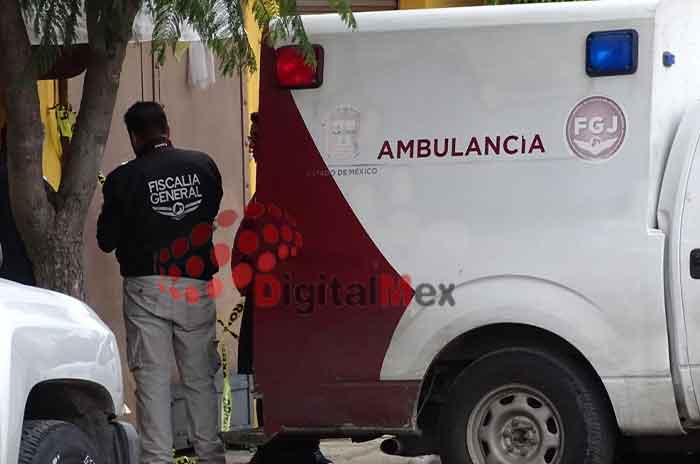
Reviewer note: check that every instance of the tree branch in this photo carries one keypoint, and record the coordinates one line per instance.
(95, 116)
(32, 210)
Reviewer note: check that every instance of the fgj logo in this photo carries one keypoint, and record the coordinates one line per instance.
(596, 129)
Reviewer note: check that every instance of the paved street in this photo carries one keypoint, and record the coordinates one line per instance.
(345, 452)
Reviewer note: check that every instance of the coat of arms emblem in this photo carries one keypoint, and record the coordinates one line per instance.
(341, 132)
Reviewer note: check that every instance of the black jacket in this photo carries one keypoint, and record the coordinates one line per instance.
(158, 214)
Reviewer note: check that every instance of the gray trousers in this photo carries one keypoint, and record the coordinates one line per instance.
(159, 325)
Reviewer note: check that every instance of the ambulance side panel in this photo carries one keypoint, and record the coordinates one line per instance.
(532, 234)
(676, 90)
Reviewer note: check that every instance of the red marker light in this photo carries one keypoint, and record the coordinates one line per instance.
(294, 73)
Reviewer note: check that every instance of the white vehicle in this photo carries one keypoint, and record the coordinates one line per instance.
(60, 382)
(535, 171)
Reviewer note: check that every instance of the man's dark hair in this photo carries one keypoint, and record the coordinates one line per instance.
(146, 119)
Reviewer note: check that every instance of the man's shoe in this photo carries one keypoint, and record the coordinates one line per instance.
(255, 459)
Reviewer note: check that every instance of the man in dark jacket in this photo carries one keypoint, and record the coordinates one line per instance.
(158, 215)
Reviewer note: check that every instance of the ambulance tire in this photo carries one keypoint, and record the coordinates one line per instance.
(49, 441)
(526, 405)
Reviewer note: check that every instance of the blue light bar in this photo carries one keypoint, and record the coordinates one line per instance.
(612, 53)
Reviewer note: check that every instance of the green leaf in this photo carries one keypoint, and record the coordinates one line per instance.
(220, 24)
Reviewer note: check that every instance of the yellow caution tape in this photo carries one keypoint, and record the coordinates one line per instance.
(226, 406)
(184, 460)
(232, 318)
(65, 117)
(226, 395)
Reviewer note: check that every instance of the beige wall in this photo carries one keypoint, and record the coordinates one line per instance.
(207, 120)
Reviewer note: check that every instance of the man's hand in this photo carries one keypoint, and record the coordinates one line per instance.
(109, 223)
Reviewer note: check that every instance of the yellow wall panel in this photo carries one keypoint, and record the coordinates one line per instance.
(252, 81)
(52, 150)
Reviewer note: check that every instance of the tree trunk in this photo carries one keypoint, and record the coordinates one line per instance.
(51, 224)
(59, 264)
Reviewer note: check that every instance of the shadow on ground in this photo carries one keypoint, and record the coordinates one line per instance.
(346, 452)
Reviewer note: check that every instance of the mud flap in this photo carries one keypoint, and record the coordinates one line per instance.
(126, 443)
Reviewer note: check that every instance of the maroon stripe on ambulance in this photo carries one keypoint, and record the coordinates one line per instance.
(317, 369)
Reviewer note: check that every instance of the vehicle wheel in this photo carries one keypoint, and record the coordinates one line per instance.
(54, 442)
(526, 406)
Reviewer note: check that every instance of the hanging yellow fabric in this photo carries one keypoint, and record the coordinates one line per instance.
(52, 150)
(180, 50)
(252, 83)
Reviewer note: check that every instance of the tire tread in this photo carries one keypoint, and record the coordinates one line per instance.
(33, 433)
(36, 432)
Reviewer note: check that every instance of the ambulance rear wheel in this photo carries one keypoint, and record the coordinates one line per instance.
(526, 406)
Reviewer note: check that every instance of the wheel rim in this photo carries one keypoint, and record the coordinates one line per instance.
(515, 424)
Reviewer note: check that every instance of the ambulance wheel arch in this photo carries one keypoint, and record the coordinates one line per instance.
(59, 409)
(423, 334)
(481, 342)
(518, 363)
(61, 399)
(500, 316)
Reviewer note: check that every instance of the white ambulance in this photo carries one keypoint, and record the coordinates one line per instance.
(489, 230)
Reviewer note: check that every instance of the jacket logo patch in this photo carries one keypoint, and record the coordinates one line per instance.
(175, 196)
